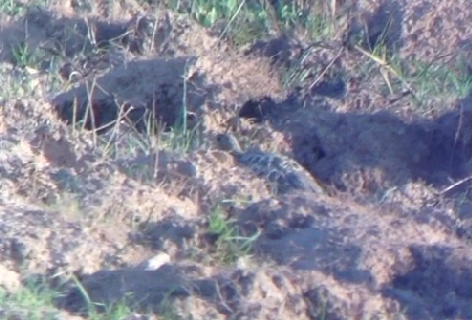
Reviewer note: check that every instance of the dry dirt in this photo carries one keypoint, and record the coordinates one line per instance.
(384, 243)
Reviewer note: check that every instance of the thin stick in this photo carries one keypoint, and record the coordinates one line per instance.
(458, 183)
(326, 69)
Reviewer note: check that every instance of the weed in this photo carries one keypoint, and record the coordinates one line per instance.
(11, 8)
(230, 245)
(33, 301)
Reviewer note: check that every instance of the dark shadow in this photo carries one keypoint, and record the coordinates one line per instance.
(159, 234)
(299, 233)
(77, 49)
(64, 38)
(148, 93)
(384, 27)
(320, 67)
(142, 291)
(279, 49)
(436, 286)
(380, 28)
(155, 291)
(330, 144)
(312, 61)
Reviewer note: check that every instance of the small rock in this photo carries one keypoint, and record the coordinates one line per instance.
(155, 262)
(9, 280)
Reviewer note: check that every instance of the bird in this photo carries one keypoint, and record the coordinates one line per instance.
(282, 171)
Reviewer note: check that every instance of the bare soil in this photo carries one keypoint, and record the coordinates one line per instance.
(389, 240)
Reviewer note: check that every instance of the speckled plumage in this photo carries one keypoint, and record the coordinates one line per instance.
(281, 170)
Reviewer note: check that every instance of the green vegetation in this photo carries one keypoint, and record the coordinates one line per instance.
(230, 245)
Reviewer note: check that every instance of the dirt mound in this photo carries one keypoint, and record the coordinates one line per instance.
(159, 88)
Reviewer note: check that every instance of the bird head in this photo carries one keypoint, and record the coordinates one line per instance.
(229, 143)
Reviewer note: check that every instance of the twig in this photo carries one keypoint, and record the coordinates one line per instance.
(321, 75)
(386, 65)
(458, 183)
